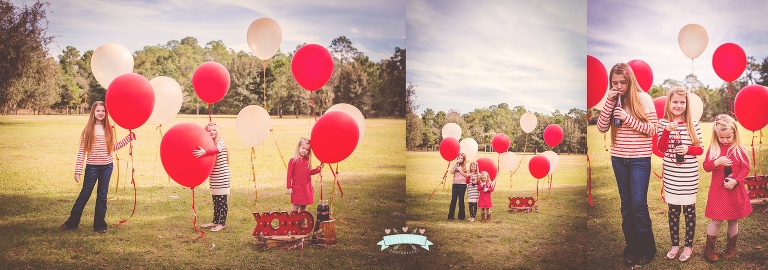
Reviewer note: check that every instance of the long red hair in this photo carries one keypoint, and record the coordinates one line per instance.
(87, 137)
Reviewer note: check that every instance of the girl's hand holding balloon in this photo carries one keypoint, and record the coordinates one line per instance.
(199, 152)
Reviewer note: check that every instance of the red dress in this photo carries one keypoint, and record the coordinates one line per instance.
(485, 196)
(722, 203)
(300, 181)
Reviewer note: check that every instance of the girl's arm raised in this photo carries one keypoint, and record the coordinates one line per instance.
(605, 116)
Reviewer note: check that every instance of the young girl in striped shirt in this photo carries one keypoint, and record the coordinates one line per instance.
(219, 178)
(680, 141)
(472, 193)
(96, 147)
(631, 148)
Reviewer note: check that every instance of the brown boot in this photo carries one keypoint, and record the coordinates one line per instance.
(709, 249)
(489, 218)
(483, 217)
(730, 248)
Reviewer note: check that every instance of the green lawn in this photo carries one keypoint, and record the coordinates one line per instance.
(37, 192)
(607, 241)
(551, 238)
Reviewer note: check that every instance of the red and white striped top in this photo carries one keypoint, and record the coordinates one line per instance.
(633, 138)
(98, 154)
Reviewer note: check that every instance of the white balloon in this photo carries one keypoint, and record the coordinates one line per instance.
(168, 98)
(697, 106)
(253, 125)
(468, 146)
(693, 40)
(355, 113)
(452, 130)
(264, 37)
(553, 160)
(109, 61)
(528, 122)
(508, 161)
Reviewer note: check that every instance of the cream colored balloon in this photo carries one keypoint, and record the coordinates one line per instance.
(452, 130)
(109, 61)
(553, 160)
(355, 113)
(253, 125)
(508, 161)
(168, 98)
(697, 106)
(264, 37)
(693, 40)
(528, 122)
(468, 146)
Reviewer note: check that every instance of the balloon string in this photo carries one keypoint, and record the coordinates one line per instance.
(160, 139)
(278, 149)
(605, 140)
(133, 181)
(194, 217)
(549, 191)
(253, 174)
(730, 101)
(589, 182)
(525, 149)
(692, 76)
(661, 178)
(209, 113)
(537, 189)
(320, 180)
(760, 149)
(336, 181)
(445, 175)
(117, 158)
(754, 161)
(312, 99)
(265, 85)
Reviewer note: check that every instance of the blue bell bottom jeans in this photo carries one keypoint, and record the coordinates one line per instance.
(95, 175)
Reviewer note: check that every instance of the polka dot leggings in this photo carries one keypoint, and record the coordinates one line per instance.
(674, 223)
(220, 209)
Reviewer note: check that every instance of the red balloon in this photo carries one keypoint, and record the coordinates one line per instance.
(449, 148)
(643, 74)
(553, 135)
(539, 166)
(176, 154)
(486, 164)
(130, 100)
(749, 107)
(211, 81)
(312, 66)
(597, 81)
(729, 61)
(500, 143)
(659, 103)
(334, 137)
(655, 146)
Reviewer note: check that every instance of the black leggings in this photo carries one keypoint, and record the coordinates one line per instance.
(472, 209)
(674, 223)
(220, 209)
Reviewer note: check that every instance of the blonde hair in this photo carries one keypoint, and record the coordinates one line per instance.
(87, 137)
(484, 177)
(679, 91)
(218, 138)
(630, 99)
(296, 154)
(476, 166)
(724, 125)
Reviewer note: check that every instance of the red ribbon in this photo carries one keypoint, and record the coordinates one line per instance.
(133, 180)
(445, 175)
(194, 217)
(209, 113)
(589, 182)
(754, 161)
(549, 191)
(253, 174)
(336, 180)
(278, 149)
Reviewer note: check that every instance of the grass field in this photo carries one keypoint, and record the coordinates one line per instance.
(551, 238)
(37, 192)
(606, 240)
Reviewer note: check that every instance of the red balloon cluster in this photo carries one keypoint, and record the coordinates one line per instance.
(597, 81)
(643, 73)
(539, 166)
(334, 137)
(130, 100)
(449, 148)
(500, 143)
(486, 164)
(659, 103)
(211, 81)
(749, 107)
(553, 135)
(312, 66)
(729, 61)
(176, 154)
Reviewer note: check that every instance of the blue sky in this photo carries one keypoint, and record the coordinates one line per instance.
(374, 27)
(621, 31)
(466, 54)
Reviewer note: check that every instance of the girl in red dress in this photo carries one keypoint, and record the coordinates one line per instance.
(299, 181)
(727, 200)
(485, 203)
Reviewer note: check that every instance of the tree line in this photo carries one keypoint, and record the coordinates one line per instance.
(424, 132)
(32, 80)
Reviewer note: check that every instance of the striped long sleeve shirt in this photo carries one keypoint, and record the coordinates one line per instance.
(99, 154)
(633, 138)
(681, 181)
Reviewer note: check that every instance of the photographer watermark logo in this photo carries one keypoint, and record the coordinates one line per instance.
(404, 243)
